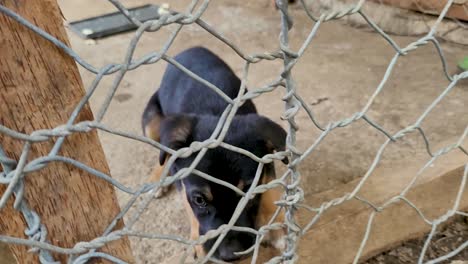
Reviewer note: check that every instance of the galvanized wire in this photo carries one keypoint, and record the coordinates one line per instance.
(14, 172)
(413, 17)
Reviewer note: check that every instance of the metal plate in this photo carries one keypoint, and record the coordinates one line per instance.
(113, 23)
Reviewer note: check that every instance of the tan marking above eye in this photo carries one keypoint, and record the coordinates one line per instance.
(206, 191)
(152, 128)
(241, 185)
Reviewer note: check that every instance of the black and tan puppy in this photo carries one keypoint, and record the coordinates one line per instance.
(184, 110)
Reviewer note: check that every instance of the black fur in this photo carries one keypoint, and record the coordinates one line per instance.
(190, 111)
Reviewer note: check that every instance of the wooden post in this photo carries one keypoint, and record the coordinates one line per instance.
(5, 254)
(39, 88)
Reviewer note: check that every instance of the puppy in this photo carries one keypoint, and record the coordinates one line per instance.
(184, 110)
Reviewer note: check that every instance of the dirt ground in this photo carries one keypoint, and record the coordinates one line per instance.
(447, 239)
(336, 76)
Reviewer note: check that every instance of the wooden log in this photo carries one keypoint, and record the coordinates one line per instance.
(39, 88)
(336, 237)
(458, 10)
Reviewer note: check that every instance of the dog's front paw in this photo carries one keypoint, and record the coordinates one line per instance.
(279, 243)
(275, 239)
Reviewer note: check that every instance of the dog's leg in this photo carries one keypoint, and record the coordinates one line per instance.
(152, 122)
(267, 208)
(156, 177)
(194, 224)
(275, 238)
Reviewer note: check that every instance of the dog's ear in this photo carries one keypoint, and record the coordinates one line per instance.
(175, 132)
(272, 134)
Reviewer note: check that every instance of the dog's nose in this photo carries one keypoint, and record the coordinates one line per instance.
(228, 255)
(233, 243)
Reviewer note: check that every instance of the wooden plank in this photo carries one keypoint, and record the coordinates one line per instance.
(458, 10)
(336, 237)
(39, 87)
(265, 254)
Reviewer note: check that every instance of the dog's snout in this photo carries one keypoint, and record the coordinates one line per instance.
(226, 251)
(235, 242)
(228, 255)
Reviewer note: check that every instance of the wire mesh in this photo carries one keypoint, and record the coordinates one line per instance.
(14, 171)
(412, 17)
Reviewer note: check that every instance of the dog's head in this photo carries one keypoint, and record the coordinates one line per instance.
(209, 204)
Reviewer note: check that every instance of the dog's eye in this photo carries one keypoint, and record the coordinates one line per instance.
(199, 200)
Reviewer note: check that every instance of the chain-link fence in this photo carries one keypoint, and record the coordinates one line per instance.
(293, 198)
